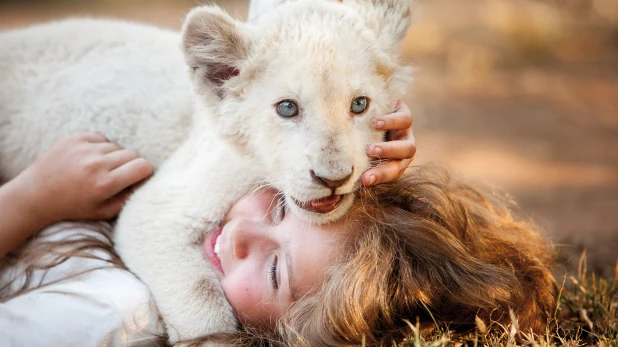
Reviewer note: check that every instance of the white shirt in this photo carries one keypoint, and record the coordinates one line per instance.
(80, 302)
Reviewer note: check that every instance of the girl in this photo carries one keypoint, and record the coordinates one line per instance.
(425, 247)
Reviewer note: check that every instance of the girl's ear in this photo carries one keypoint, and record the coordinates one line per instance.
(215, 43)
(390, 19)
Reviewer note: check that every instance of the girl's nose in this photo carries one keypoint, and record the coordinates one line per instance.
(247, 237)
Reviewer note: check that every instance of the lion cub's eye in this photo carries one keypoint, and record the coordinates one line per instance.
(359, 105)
(287, 109)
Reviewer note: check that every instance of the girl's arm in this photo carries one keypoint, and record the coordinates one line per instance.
(83, 176)
(18, 216)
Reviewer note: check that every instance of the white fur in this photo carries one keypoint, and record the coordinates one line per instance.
(124, 80)
(127, 81)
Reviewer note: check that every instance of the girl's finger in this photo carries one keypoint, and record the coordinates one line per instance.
(385, 172)
(105, 147)
(393, 121)
(111, 207)
(91, 137)
(120, 157)
(395, 135)
(401, 149)
(128, 174)
(402, 107)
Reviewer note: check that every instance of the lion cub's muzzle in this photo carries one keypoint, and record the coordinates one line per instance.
(328, 203)
(323, 205)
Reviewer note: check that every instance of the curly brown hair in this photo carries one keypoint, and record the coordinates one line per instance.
(431, 247)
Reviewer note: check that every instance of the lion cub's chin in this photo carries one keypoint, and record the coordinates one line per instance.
(341, 207)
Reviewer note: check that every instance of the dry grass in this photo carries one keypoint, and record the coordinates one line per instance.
(587, 315)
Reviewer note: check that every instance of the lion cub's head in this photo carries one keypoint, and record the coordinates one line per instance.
(299, 91)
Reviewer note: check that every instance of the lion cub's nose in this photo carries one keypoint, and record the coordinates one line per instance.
(328, 183)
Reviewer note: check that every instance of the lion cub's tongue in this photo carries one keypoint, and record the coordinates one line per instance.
(325, 205)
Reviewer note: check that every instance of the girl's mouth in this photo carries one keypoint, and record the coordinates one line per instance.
(211, 249)
(322, 206)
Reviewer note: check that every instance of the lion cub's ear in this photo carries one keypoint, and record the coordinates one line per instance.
(215, 43)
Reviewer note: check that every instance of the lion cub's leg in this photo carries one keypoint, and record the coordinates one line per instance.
(160, 232)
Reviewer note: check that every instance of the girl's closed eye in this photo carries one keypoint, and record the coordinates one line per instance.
(280, 211)
(273, 273)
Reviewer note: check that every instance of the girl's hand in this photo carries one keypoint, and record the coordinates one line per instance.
(400, 148)
(83, 176)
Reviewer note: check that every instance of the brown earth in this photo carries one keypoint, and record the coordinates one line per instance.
(521, 94)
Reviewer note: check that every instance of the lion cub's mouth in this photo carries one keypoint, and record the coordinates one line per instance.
(323, 205)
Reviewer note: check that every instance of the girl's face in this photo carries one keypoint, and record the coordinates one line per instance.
(267, 258)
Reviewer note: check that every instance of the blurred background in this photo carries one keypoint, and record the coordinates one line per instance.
(521, 94)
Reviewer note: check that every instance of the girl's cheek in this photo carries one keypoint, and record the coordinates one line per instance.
(242, 295)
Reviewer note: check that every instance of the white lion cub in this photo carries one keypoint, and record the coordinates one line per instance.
(288, 103)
